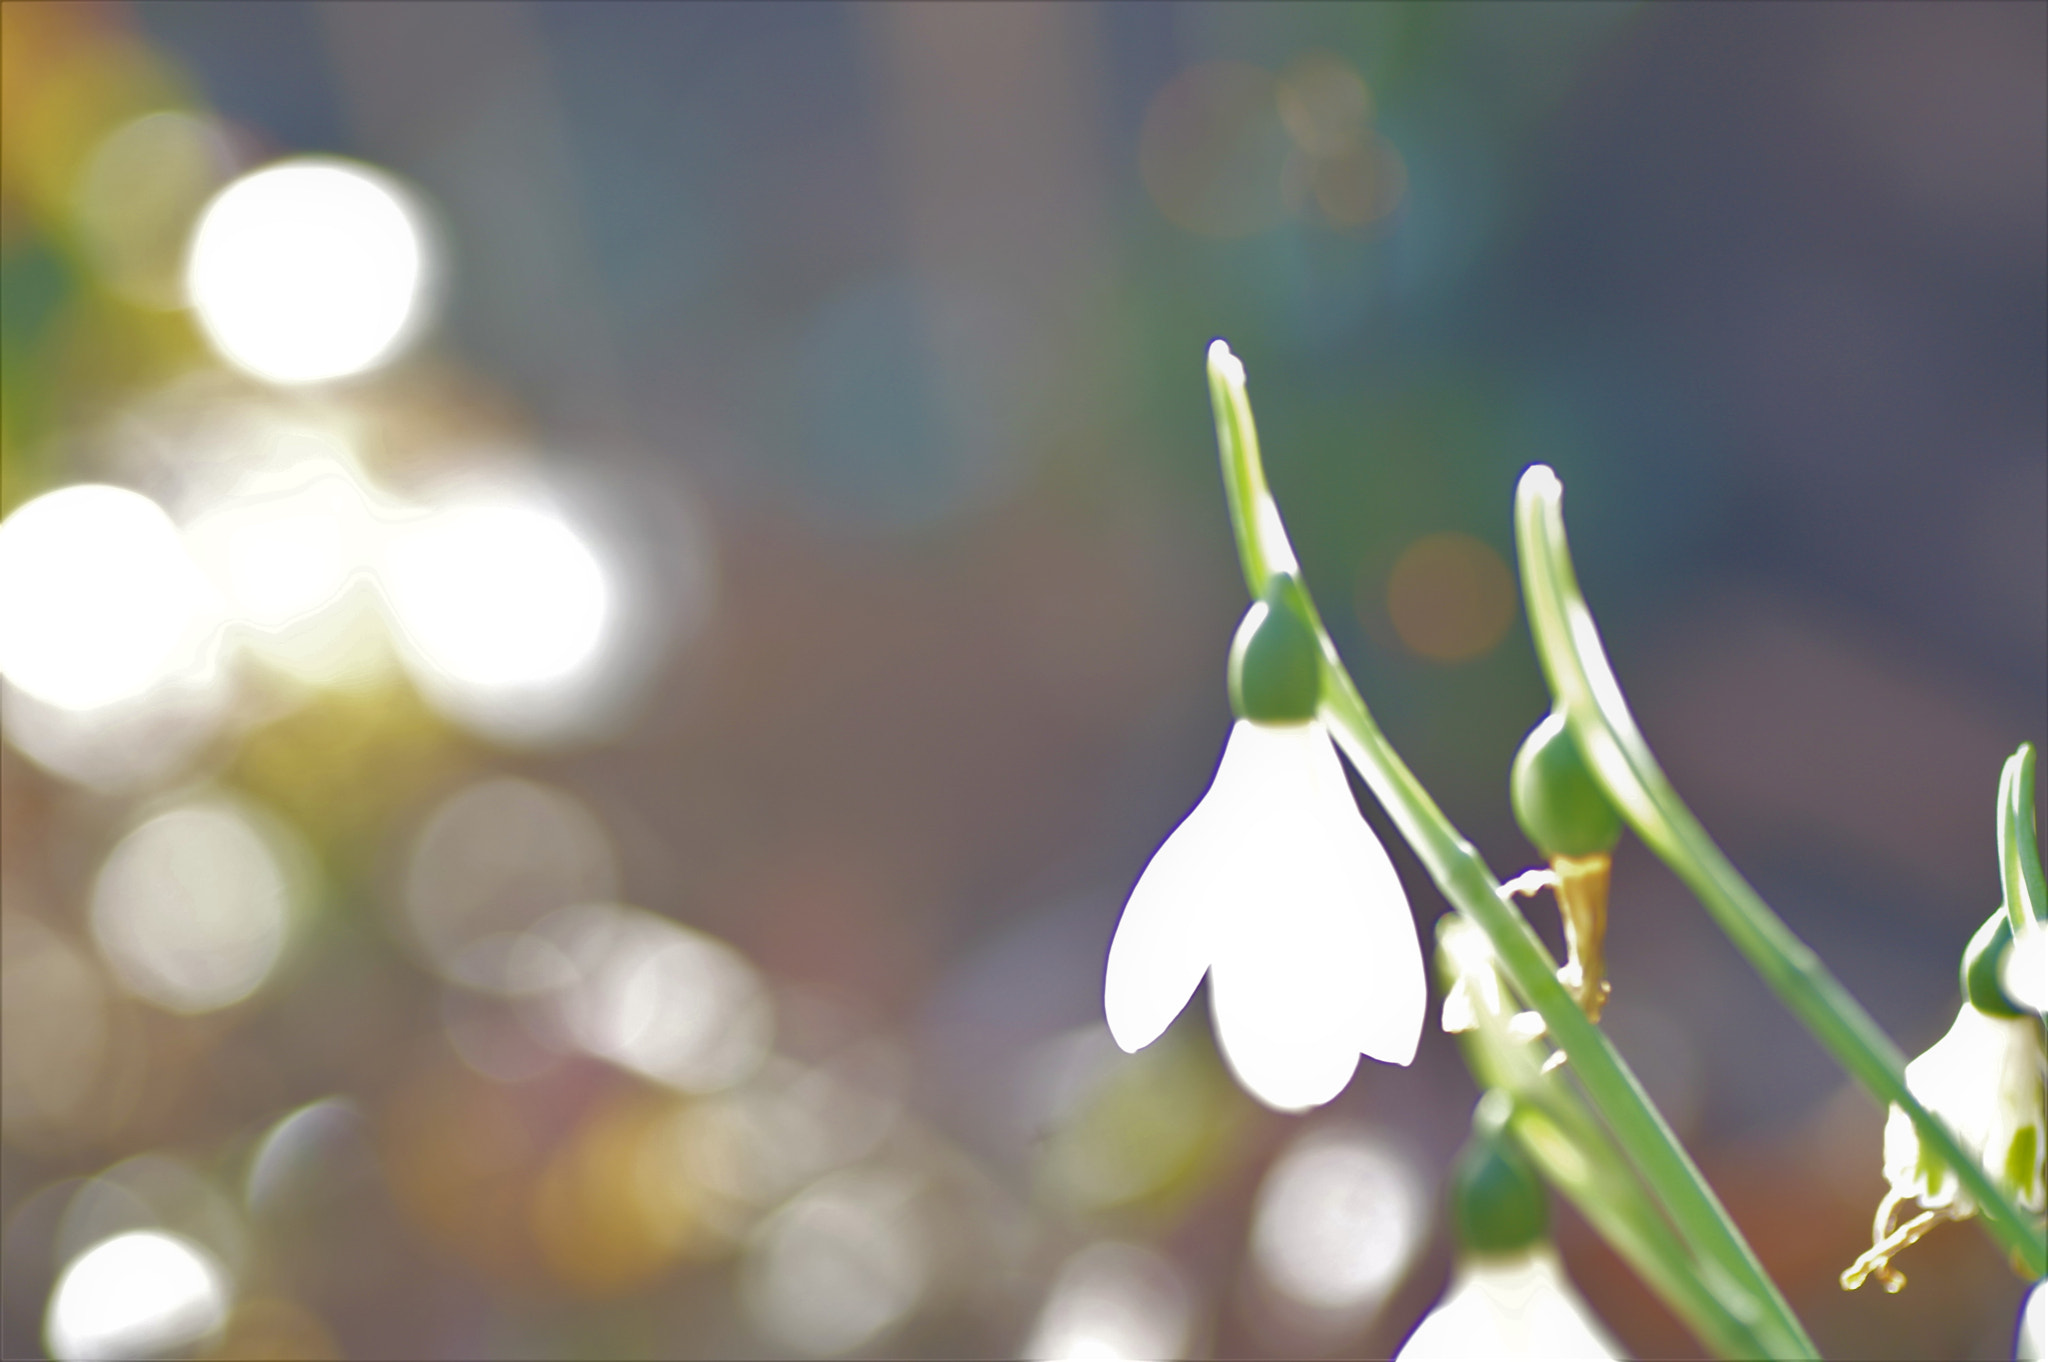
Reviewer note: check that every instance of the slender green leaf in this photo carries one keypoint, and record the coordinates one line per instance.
(2019, 855)
(1583, 685)
(1746, 1293)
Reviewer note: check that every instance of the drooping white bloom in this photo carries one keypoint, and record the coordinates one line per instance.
(1986, 1078)
(1512, 1305)
(1275, 887)
(2032, 1343)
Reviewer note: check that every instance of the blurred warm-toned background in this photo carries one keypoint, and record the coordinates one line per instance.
(667, 582)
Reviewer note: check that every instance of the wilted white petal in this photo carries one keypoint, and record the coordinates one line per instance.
(1986, 1078)
(1516, 1306)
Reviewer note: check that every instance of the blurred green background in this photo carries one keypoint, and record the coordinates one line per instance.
(613, 853)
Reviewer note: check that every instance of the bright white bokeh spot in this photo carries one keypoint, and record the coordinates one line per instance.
(1339, 1219)
(1519, 1305)
(99, 601)
(1115, 1301)
(839, 1264)
(497, 595)
(659, 998)
(306, 270)
(140, 1294)
(191, 908)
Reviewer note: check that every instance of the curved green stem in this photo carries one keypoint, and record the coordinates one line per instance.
(1576, 1154)
(1747, 1296)
(1585, 689)
(2019, 859)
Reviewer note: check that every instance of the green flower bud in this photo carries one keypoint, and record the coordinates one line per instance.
(1982, 960)
(1558, 803)
(1276, 673)
(1498, 1203)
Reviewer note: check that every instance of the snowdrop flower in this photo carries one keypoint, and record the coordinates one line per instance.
(1987, 1078)
(1276, 889)
(1518, 1305)
(2031, 1345)
(1509, 1296)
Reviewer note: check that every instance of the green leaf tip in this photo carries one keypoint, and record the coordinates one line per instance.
(2019, 853)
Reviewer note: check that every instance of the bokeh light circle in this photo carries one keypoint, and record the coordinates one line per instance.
(1213, 151)
(1451, 597)
(840, 1264)
(1113, 1301)
(140, 1294)
(498, 595)
(100, 596)
(1339, 1217)
(191, 908)
(307, 270)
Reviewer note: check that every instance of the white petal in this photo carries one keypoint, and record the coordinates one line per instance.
(1319, 961)
(1289, 1051)
(2032, 1343)
(2025, 971)
(1986, 1078)
(1369, 918)
(1165, 939)
(1518, 1306)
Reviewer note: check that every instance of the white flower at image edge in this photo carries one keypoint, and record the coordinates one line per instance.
(1275, 887)
(1986, 1078)
(1519, 1305)
(2032, 1342)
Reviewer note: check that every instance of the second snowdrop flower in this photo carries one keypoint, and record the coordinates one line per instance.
(1988, 1078)
(1276, 889)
